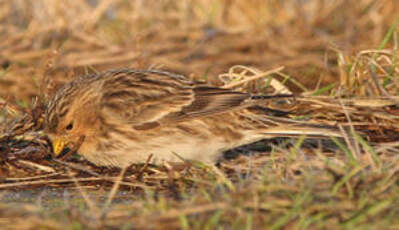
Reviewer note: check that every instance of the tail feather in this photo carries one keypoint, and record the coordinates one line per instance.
(308, 130)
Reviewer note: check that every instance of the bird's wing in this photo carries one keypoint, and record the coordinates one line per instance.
(210, 100)
(147, 98)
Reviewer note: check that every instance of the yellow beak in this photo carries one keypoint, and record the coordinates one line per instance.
(59, 145)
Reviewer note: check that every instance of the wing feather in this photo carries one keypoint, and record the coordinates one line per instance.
(141, 97)
(210, 100)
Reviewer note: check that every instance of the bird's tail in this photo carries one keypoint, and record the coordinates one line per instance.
(282, 126)
(308, 130)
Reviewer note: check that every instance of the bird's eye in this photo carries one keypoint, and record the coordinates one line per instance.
(69, 126)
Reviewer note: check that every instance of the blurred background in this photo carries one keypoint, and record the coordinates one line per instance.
(46, 42)
(343, 53)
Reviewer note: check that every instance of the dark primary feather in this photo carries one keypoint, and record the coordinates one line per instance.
(208, 101)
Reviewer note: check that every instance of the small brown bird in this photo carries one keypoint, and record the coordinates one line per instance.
(120, 117)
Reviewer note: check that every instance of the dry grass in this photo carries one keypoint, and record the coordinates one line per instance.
(339, 57)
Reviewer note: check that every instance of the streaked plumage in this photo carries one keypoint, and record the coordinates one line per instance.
(126, 115)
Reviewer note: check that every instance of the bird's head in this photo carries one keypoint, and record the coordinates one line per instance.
(71, 117)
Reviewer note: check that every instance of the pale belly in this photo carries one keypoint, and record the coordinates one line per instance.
(193, 140)
(172, 148)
